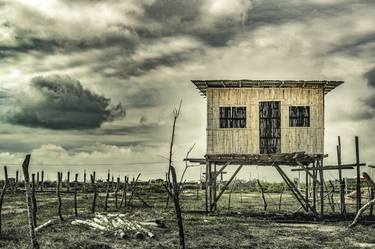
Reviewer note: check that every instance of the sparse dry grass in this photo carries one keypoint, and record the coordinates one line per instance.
(245, 225)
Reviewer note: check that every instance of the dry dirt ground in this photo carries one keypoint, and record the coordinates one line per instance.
(244, 225)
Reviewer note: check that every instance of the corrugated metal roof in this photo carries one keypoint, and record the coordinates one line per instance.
(328, 85)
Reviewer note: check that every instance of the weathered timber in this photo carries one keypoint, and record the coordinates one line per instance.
(341, 179)
(133, 189)
(176, 200)
(107, 194)
(58, 186)
(25, 169)
(93, 206)
(358, 183)
(33, 198)
(116, 191)
(5, 187)
(124, 193)
(75, 195)
(42, 181)
(263, 197)
(68, 181)
(320, 167)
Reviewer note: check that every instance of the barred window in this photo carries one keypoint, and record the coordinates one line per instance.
(232, 117)
(299, 116)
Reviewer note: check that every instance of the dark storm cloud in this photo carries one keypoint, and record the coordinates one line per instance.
(370, 76)
(60, 102)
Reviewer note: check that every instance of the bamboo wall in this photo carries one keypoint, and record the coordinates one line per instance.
(246, 140)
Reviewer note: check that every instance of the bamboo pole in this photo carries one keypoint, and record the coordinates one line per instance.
(25, 169)
(320, 169)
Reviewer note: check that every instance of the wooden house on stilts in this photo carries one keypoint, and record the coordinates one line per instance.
(266, 123)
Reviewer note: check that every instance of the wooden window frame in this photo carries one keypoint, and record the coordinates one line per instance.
(230, 119)
(300, 117)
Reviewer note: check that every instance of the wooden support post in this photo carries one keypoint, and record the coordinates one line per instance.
(314, 185)
(341, 180)
(214, 187)
(58, 186)
(42, 181)
(93, 206)
(25, 169)
(226, 185)
(307, 189)
(112, 183)
(206, 185)
(320, 169)
(116, 191)
(5, 187)
(210, 185)
(75, 195)
(33, 198)
(358, 184)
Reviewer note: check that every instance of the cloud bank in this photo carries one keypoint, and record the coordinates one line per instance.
(60, 102)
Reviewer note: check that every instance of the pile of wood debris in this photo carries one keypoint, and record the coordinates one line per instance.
(121, 225)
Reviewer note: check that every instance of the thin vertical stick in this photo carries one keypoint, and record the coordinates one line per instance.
(68, 182)
(42, 182)
(75, 195)
(280, 198)
(37, 181)
(133, 188)
(84, 180)
(116, 191)
(95, 193)
(33, 198)
(5, 187)
(314, 185)
(123, 199)
(263, 197)
(341, 180)
(307, 190)
(206, 185)
(16, 187)
(25, 169)
(59, 182)
(358, 185)
(106, 195)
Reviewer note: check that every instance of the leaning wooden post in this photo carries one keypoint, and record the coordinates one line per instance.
(358, 185)
(25, 169)
(116, 191)
(341, 180)
(263, 197)
(206, 184)
(59, 181)
(5, 187)
(42, 181)
(75, 195)
(95, 193)
(33, 198)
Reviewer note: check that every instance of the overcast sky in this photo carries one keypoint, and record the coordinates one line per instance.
(95, 82)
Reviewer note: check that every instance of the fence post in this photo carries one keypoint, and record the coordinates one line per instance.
(59, 182)
(5, 187)
(75, 195)
(33, 198)
(116, 191)
(25, 169)
(95, 193)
